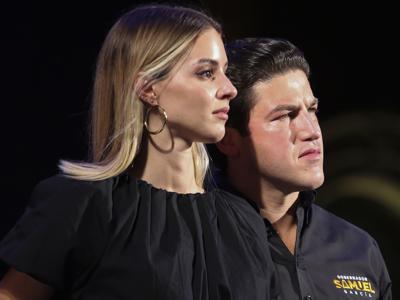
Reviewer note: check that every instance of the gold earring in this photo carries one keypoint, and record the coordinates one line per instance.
(162, 112)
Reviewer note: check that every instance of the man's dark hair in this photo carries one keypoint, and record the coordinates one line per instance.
(254, 60)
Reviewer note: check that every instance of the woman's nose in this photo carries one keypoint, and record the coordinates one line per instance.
(227, 90)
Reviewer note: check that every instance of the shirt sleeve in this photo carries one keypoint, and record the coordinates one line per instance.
(385, 284)
(45, 239)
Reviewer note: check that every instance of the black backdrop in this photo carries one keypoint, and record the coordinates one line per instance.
(48, 60)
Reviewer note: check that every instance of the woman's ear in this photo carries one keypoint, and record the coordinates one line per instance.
(230, 143)
(145, 90)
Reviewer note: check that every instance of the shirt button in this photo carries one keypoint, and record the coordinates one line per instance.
(308, 297)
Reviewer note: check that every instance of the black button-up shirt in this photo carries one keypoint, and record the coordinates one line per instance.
(333, 258)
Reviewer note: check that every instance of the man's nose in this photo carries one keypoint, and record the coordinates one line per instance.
(308, 126)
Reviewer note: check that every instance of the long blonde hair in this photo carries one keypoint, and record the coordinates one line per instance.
(147, 42)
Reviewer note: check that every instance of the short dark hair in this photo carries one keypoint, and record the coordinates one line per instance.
(254, 60)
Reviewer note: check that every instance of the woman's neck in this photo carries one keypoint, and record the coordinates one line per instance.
(167, 164)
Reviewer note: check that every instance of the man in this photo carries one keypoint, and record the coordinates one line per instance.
(273, 156)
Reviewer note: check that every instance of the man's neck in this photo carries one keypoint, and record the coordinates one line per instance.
(272, 202)
(274, 205)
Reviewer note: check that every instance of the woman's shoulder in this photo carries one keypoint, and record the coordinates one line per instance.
(245, 215)
(61, 184)
(72, 198)
(234, 202)
(63, 216)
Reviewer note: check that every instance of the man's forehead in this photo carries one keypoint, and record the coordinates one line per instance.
(291, 88)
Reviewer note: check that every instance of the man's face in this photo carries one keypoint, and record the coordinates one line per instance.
(285, 144)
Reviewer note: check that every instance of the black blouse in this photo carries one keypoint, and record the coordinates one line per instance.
(122, 238)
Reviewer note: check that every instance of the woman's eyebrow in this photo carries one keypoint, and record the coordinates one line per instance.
(208, 61)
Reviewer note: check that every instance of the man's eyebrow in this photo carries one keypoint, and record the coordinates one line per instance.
(281, 107)
(291, 107)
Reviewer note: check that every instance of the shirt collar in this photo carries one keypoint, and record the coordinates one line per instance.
(306, 199)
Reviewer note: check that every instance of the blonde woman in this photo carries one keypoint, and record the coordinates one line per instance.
(135, 221)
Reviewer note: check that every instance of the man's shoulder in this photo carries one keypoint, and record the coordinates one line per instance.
(334, 226)
(331, 238)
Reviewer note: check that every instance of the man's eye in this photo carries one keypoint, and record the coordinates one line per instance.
(313, 110)
(290, 115)
(281, 117)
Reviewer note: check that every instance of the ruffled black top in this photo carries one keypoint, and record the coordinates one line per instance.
(122, 238)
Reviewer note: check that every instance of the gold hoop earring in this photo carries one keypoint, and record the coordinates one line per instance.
(162, 112)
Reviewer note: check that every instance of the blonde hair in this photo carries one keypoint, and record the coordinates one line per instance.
(146, 43)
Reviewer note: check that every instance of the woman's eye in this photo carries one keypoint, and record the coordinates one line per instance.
(206, 74)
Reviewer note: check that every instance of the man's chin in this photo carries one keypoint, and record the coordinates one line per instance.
(312, 183)
(315, 183)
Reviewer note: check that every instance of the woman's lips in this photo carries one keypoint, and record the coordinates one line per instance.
(222, 113)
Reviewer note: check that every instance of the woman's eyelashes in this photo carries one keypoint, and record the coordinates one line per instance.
(206, 74)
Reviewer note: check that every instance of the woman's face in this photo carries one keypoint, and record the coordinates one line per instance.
(196, 95)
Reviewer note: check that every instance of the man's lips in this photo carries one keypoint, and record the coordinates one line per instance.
(222, 113)
(312, 153)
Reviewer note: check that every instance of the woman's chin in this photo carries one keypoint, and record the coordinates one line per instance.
(213, 138)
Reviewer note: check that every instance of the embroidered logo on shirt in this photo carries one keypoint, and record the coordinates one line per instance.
(354, 285)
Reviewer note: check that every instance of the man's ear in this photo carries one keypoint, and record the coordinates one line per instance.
(230, 143)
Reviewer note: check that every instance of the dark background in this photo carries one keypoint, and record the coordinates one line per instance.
(48, 60)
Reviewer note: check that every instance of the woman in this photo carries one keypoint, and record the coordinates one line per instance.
(135, 222)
